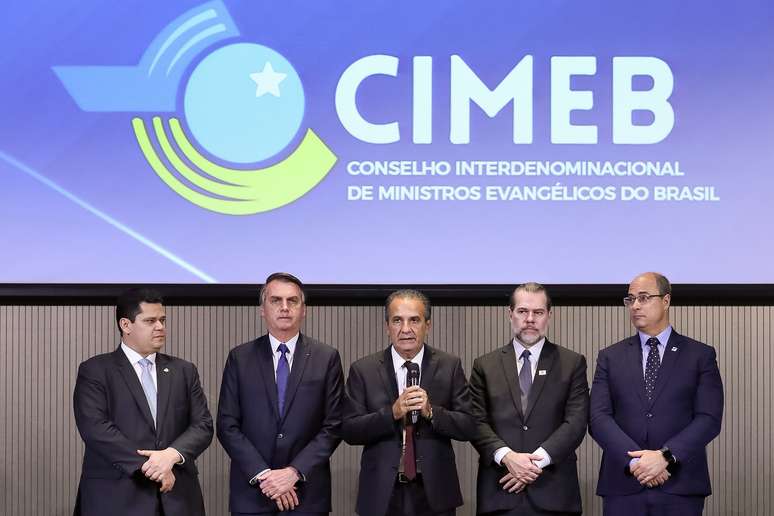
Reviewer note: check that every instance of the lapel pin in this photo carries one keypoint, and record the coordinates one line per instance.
(674, 349)
(166, 369)
(542, 372)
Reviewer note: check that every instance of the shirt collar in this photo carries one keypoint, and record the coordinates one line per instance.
(398, 361)
(291, 343)
(534, 350)
(662, 337)
(135, 357)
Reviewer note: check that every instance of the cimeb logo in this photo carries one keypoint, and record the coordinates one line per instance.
(243, 103)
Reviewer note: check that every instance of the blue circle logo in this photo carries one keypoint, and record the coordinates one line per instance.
(244, 103)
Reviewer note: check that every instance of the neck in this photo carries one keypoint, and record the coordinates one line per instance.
(283, 336)
(652, 332)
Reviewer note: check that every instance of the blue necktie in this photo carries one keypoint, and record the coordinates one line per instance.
(147, 386)
(283, 371)
(651, 367)
(525, 379)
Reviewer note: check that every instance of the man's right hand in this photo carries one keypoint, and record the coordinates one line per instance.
(413, 398)
(287, 501)
(520, 466)
(167, 482)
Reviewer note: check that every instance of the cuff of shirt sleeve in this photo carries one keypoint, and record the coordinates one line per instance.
(500, 453)
(254, 480)
(545, 461)
(182, 459)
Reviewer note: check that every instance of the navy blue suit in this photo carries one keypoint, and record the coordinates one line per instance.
(255, 436)
(684, 415)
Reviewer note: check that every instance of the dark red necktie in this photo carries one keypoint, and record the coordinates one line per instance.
(409, 459)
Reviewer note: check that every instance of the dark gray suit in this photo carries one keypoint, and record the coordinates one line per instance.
(114, 419)
(556, 418)
(368, 420)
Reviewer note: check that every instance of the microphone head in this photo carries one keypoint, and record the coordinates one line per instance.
(413, 374)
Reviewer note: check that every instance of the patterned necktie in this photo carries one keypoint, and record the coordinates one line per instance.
(525, 379)
(651, 367)
(147, 386)
(283, 371)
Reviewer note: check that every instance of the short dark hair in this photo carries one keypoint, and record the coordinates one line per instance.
(407, 293)
(285, 277)
(532, 287)
(128, 303)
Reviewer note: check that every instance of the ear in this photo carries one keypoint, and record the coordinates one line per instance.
(125, 324)
(667, 300)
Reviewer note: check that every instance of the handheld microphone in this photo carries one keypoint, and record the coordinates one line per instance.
(412, 378)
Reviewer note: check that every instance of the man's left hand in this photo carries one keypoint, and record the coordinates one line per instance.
(649, 467)
(159, 463)
(277, 482)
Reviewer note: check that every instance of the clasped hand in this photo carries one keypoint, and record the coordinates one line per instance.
(159, 465)
(650, 469)
(413, 398)
(280, 486)
(521, 471)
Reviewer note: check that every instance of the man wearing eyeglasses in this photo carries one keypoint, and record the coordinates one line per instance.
(279, 412)
(531, 404)
(656, 403)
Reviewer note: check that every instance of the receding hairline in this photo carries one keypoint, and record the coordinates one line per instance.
(662, 283)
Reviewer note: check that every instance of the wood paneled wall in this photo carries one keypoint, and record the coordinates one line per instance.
(41, 347)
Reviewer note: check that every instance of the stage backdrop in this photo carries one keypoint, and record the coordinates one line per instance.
(385, 142)
(42, 346)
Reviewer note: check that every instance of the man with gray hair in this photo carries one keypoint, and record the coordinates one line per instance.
(404, 405)
(531, 403)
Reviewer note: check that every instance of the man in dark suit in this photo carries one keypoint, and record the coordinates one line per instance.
(144, 419)
(279, 412)
(408, 465)
(531, 403)
(656, 402)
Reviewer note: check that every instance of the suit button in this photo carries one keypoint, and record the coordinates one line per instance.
(649, 415)
(525, 428)
(280, 436)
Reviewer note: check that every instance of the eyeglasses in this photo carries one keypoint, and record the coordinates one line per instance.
(642, 298)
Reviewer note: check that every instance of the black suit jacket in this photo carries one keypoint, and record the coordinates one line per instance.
(684, 415)
(556, 417)
(114, 420)
(371, 391)
(257, 438)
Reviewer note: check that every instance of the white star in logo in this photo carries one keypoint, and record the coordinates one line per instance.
(267, 81)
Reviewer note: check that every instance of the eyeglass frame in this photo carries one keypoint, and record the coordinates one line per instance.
(642, 298)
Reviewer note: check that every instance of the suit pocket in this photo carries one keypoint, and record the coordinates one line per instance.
(113, 473)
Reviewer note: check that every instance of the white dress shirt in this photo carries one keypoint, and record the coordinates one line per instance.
(401, 373)
(275, 354)
(134, 359)
(534, 357)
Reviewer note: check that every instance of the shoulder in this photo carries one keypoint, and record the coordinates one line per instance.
(318, 347)
(489, 359)
(567, 353)
(691, 345)
(618, 349)
(100, 362)
(442, 356)
(247, 348)
(368, 362)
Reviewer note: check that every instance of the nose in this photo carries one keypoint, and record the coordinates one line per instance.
(405, 327)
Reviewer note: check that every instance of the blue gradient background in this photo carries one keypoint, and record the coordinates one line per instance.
(721, 55)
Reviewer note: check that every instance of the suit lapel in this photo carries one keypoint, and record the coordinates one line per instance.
(667, 364)
(301, 357)
(634, 362)
(164, 382)
(510, 369)
(545, 363)
(263, 356)
(129, 376)
(429, 366)
(387, 373)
